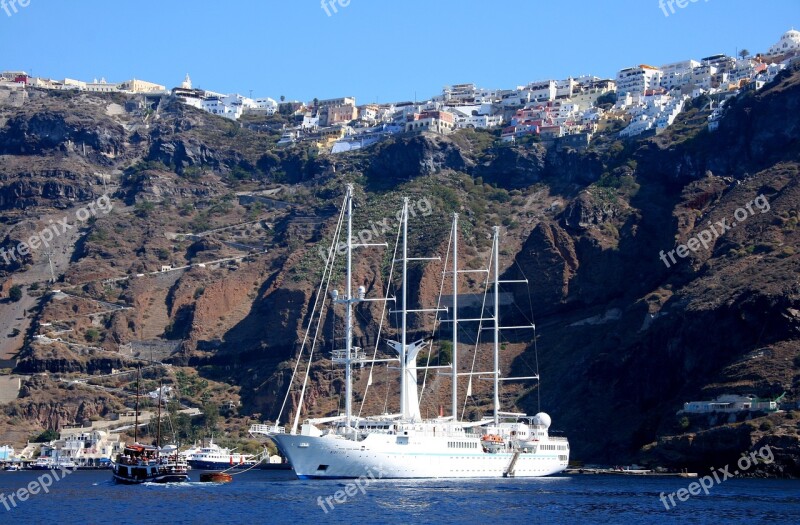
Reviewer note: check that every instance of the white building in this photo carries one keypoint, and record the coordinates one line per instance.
(466, 94)
(789, 42)
(228, 106)
(478, 121)
(654, 112)
(730, 403)
(703, 75)
(678, 74)
(310, 122)
(637, 79)
(85, 447)
(266, 106)
(565, 88)
(542, 91)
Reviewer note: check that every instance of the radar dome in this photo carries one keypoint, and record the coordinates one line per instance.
(542, 419)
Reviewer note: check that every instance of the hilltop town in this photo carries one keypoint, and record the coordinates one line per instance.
(641, 100)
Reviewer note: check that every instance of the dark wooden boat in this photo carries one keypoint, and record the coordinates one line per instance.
(143, 464)
(215, 477)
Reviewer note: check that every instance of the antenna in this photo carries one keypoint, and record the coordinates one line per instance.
(52, 270)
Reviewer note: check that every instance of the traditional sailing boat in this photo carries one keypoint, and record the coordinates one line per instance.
(144, 464)
(405, 445)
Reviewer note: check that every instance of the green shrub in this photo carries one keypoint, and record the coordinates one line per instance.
(15, 293)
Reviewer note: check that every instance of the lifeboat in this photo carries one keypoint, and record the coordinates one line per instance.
(492, 443)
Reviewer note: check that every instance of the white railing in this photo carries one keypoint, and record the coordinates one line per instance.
(267, 429)
(357, 354)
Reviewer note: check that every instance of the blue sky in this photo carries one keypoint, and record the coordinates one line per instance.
(384, 50)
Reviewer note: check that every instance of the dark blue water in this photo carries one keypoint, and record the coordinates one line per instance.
(263, 497)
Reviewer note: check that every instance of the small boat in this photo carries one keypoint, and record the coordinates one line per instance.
(43, 463)
(53, 463)
(12, 468)
(215, 477)
(492, 443)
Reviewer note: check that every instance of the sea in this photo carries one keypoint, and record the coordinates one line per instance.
(267, 497)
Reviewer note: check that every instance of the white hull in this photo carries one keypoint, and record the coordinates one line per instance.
(382, 455)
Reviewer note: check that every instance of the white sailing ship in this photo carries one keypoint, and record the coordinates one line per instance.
(405, 445)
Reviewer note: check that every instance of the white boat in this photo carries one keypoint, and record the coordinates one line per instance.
(404, 445)
(53, 463)
(214, 457)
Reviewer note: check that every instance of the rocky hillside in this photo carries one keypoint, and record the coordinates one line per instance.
(209, 257)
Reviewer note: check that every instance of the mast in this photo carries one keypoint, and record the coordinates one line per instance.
(158, 431)
(403, 364)
(496, 256)
(349, 315)
(136, 415)
(454, 358)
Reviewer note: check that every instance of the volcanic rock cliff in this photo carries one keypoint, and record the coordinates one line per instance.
(626, 333)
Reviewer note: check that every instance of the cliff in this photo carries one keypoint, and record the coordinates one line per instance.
(623, 337)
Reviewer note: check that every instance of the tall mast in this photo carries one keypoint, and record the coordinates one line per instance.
(349, 315)
(496, 256)
(454, 358)
(136, 415)
(403, 364)
(158, 431)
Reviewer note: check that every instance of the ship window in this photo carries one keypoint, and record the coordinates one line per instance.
(322, 468)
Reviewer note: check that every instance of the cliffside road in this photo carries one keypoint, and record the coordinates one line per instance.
(14, 317)
(14, 320)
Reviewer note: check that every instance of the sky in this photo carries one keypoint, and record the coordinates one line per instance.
(375, 50)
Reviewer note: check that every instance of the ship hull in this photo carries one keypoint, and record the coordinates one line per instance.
(221, 465)
(165, 478)
(388, 456)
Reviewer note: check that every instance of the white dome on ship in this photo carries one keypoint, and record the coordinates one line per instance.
(542, 419)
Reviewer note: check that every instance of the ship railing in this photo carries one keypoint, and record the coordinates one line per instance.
(439, 433)
(267, 429)
(556, 438)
